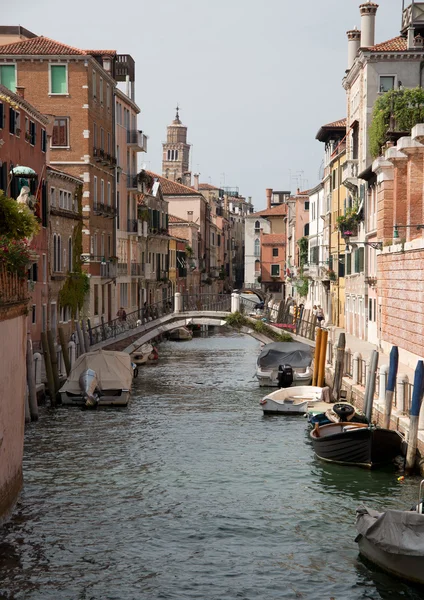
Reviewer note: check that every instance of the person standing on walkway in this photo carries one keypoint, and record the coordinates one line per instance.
(320, 315)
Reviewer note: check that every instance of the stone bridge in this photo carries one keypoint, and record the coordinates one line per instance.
(145, 324)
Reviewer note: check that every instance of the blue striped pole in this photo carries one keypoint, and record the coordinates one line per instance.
(414, 414)
(390, 387)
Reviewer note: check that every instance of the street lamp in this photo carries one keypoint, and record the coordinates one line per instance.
(397, 227)
(353, 245)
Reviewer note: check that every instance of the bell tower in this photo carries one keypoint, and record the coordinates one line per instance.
(176, 152)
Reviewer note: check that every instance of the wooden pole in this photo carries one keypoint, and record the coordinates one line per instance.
(27, 411)
(338, 369)
(414, 414)
(85, 334)
(90, 332)
(103, 327)
(65, 352)
(390, 387)
(316, 356)
(80, 337)
(48, 366)
(53, 360)
(32, 389)
(322, 356)
(370, 387)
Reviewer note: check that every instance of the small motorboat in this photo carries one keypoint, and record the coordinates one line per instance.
(99, 378)
(143, 354)
(394, 539)
(358, 444)
(292, 401)
(181, 334)
(340, 411)
(277, 355)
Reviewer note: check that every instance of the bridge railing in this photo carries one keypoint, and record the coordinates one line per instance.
(212, 302)
(111, 329)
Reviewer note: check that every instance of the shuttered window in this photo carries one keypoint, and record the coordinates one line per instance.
(58, 79)
(8, 77)
(60, 135)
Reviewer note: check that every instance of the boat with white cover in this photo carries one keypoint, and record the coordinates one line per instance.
(293, 400)
(142, 354)
(99, 378)
(275, 355)
(394, 539)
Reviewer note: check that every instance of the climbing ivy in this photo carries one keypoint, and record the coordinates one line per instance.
(303, 244)
(397, 110)
(302, 285)
(77, 283)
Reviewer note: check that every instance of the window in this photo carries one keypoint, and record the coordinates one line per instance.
(26, 129)
(1, 115)
(102, 138)
(92, 246)
(257, 226)
(95, 246)
(314, 255)
(306, 204)
(102, 246)
(387, 83)
(17, 124)
(96, 299)
(54, 253)
(61, 204)
(101, 89)
(108, 97)
(275, 270)
(8, 77)
(60, 137)
(95, 192)
(94, 84)
(275, 252)
(257, 251)
(44, 318)
(370, 309)
(43, 140)
(12, 121)
(108, 144)
(59, 254)
(32, 133)
(44, 268)
(102, 191)
(94, 135)
(109, 193)
(58, 79)
(34, 314)
(306, 230)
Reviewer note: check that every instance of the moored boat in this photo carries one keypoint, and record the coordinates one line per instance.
(99, 378)
(357, 444)
(393, 540)
(275, 356)
(144, 354)
(181, 334)
(292, 400)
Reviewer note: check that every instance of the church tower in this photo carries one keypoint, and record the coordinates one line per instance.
(176, 153)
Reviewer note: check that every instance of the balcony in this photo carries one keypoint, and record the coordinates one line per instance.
(137, 269)
(132, 182)
(132, 226)
(107, 269)
(137, 140)
(350, 174)
(103, 157)
(161, 275)
(122, 268)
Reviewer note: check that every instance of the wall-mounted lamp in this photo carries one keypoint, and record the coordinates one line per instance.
(397, 227)
(353, 245)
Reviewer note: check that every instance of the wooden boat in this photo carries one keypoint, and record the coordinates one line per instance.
(100, 378)
(356, 444)
(181, 334)
(292, 400)
(393, 540)
(144, 354)
(340, 411)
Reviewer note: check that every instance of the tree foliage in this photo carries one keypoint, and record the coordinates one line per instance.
(17, 221)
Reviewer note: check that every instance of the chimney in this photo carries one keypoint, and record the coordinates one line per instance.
(20, 91)
(353, 43)
(268, 193)
(368, 11)
(411, 37)
(196, 181)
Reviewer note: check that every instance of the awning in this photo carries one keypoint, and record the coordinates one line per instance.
(22, 171)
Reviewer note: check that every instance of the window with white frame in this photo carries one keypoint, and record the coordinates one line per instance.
(52, 196)
(95, 191)
(8, 77)
(59, 253)
(257, 226)
(109, 193)
(70, 257)
(44, 268)
(387, 83)
(60, 135)
(275, 270)
(257, 251)
(58, 79)
(54, 252)
(102, 191)
(61, 203)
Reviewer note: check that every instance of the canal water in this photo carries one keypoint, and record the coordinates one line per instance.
(190, 493)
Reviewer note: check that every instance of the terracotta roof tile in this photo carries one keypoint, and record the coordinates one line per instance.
(100, 52)
(335, 124)
(40, 46)
(174, 219)
(17, 99)
(273, 239)
(397, 44)
(207, 186)
(275, 211)
(172, 188)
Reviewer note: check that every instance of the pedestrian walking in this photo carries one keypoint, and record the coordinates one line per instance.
(121, 314)
(320, 315)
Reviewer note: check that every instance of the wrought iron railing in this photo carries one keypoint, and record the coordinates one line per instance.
(215, 302)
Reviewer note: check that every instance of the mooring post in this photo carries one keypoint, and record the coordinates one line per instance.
(48, 366)
(372, 374)
(177, 302)
(414, 414)
(37, 368)
(382, 381)
(322, 355)
(80, 338)
(390, 387)
(355, 367)
(53, 360)
(316, 356)
(401, 379)
(64, 347)
(72, 353)
(32, 390)
(338, 369)
(235, 302)
(90, 332)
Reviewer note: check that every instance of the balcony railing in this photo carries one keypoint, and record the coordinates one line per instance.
(132, 226)
(137, 269)
(108, 270)
(137, 139)
(104, 157)
(122, 268)
(132, 182)
(161, 275)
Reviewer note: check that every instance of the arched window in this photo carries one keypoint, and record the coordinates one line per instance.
(257, 226)
(70, 255)
(54, 253)
(257, 248)
(257, 266)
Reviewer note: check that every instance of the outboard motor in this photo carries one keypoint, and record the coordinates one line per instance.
(88, 383)
(285, 376)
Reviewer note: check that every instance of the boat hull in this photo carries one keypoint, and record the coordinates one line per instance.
(118, 398)
(359, 446)
(410, 568)
(292, 400)
(270, 378)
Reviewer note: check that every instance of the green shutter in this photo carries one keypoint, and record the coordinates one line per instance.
(58, 79)
(8, 77)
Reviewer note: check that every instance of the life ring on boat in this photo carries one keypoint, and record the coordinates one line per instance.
(344, 411)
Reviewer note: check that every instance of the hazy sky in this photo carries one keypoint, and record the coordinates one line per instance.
(255, 80)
